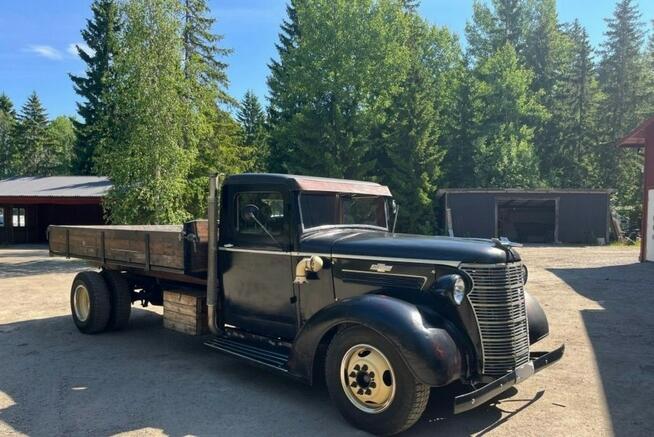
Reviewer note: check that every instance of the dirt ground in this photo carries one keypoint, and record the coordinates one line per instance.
(147, 380)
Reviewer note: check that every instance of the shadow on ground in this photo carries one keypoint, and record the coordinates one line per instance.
(621, 335)
(56, 381)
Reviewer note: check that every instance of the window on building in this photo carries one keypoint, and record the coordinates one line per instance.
(18, 217)
(2, 217)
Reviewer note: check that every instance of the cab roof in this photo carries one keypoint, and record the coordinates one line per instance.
(310, 183)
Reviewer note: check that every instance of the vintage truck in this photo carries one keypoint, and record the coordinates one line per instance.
(306, 276)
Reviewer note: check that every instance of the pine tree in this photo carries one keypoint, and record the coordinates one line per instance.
(458, 165)
(282, 105)
(622, 80)
(100, 35)
(252, 119)
(202, 53)
(410, 157)
(504, 154)
(206, 83)
(7, 126)
(342, 73)
(144, 155)
(506, 21)
(547, 54)
(31, 157)
(576, 119)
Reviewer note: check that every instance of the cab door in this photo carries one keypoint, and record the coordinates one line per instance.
(255, 261)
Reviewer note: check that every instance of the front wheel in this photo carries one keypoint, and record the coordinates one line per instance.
(370, 383)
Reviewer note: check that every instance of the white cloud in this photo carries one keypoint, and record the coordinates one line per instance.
(72, 48)
(48, 52)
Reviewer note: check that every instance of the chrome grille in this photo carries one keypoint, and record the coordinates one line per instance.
(498, 301)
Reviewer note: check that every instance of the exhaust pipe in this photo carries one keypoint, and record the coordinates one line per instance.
(213, 303)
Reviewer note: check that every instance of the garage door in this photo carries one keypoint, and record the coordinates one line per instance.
(527, 220)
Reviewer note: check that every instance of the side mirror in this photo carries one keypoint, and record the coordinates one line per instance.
(393, 206)
(249, 213)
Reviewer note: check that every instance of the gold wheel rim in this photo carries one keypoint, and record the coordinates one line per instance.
(367, 378)
(81, 303)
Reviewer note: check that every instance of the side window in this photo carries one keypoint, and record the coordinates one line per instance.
(268, 208)
(18, 217)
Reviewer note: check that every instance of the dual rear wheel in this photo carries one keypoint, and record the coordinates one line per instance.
(100, 301)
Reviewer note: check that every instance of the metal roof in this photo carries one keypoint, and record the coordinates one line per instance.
(55, 186)
(523, 191)
(311, 183)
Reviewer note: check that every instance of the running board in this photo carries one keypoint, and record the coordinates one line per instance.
(266, 357)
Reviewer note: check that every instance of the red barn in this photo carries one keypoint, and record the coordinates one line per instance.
(29, 204)
(643, 138)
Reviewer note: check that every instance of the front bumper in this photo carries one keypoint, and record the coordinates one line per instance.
(538, 361)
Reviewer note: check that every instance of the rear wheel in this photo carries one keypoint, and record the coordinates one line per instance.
(371, 385)
(120, 294)
(90, 302)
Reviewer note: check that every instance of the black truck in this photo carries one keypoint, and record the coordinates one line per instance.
(307, 277)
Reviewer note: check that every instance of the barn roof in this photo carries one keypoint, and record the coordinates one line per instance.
(637, 137)
(55, 186)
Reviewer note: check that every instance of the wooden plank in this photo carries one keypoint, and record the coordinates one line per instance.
(185, 311)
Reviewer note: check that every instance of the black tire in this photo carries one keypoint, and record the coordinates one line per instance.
(99, 302)
(408, 402)
(120, 294)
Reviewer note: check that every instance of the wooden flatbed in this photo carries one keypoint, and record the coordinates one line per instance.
(176, 252)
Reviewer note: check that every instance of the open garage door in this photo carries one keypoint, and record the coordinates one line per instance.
(527, 220)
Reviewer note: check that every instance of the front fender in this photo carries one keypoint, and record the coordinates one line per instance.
(538, 325)
(429, 351)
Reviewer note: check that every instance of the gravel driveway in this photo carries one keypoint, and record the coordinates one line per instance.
(147, 380)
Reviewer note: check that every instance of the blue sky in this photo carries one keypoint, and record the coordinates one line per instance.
(36, 37)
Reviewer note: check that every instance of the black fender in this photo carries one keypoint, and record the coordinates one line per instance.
(538, 325)
(429, 351)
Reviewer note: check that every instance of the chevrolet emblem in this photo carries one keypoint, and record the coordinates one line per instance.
(381, 268)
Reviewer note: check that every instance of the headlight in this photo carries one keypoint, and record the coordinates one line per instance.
(459, 290)
(453, 286)
(525, 274)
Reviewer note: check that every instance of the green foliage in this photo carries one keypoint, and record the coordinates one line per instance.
(100, 35)
(144, 155)
(210, 133)
(509, 110)
(492, 27)
(7, 126)
(31, 156)
(62, 139)
(623, 81)
(252, 120)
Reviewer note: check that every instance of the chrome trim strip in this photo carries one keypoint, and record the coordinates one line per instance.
(424, 278)
(400, 260)
(343, 256)
(263, 252)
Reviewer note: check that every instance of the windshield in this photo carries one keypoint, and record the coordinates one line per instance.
(338, 209)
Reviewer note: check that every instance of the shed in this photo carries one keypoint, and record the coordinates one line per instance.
(527, 216)
(642, 138)
(29, 204)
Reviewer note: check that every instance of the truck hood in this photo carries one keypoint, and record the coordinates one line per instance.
(379, 244)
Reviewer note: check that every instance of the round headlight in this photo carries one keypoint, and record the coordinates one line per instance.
(452, 286)
(525, 274)
(459, 291)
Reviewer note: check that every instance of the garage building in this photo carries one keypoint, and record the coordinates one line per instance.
(527, 216)
(29, 204)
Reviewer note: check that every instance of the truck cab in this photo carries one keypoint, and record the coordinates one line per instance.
(307, 276)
